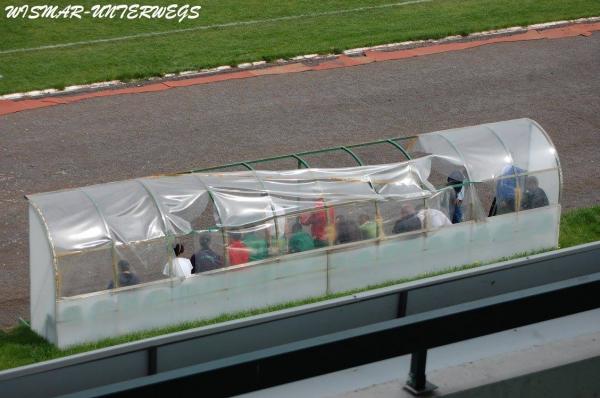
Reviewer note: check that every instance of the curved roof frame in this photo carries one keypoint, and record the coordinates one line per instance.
(305, 164)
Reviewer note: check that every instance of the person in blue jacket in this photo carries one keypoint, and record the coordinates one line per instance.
(455, 180)
(506, 190)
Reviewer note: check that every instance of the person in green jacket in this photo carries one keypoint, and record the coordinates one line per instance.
(368, 228)
(257, 246)
(300, 240)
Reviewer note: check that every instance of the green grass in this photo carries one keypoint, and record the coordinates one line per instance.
(580, 226)
(152, 56)
(20, 346)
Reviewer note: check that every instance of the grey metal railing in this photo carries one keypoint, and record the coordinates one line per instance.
(202, 345)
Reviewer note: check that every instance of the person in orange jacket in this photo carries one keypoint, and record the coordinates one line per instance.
(237, 251)
(318, 221)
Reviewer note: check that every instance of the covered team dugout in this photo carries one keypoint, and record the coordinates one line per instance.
(102, 259)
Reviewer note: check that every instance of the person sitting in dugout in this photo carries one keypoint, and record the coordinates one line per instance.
(534, 196)
(300, 240)
(346, 230)
(508, 187)
(126, 276)
(368, 227)
(180, 267)
(258, 247)
(205, 259)
(433, 218)
(455, 180)
(318, 221)
(409, 220)
(236, 250)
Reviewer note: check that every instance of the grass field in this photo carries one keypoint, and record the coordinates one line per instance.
(21, 346)
(270, 29)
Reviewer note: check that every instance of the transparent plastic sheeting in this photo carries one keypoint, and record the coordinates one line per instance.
(488, 149)
(127, 219)
(150, 208)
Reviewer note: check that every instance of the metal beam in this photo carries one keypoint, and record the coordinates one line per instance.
(324, 354)
(302, 162)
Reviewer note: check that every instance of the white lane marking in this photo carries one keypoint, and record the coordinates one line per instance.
(224, 25)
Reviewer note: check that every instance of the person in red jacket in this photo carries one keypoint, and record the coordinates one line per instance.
(237, 250)
(318, 221)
